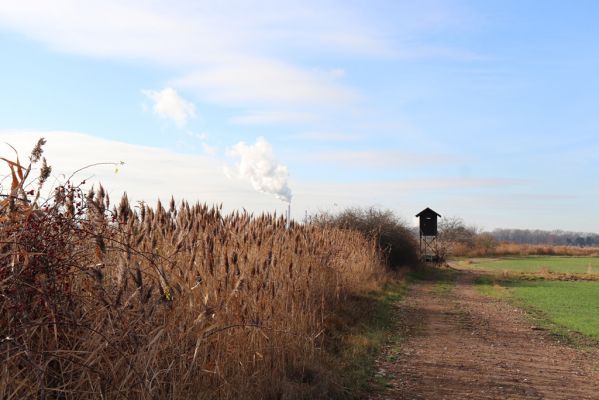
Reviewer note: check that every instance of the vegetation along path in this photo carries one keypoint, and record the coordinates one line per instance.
(459, 344)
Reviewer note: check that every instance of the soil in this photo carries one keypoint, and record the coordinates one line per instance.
(459, 344)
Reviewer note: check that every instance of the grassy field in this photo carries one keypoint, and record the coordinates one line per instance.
(588, 265)
(568, 306)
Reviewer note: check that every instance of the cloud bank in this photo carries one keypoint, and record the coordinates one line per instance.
(243, 55)
(149, 173)
(228, 52)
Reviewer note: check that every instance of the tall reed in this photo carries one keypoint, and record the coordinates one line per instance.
(174, 302)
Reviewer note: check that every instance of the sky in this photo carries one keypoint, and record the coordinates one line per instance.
(484, 110)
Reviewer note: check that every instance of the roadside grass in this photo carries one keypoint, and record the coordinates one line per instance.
(567, 309)
(488, 286)
(443, 287)
(444, 278)
(531, 264)
(360, 329)
(429, 273)
(366, 323)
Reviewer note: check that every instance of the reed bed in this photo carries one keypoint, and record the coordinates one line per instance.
(175, 302)
(545, 250)
(514, 249)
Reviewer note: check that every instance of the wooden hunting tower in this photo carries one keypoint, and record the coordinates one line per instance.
(428, 234)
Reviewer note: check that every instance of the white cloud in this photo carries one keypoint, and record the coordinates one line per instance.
(238, 53)
(210, 150)
(272, 117)
(226, 51)
(258, 166)
(326, 137)
(380, 159)
(253, 80)
(201, 135)
(149, 173)
(337, 73)
(377, 191)
(168, 104)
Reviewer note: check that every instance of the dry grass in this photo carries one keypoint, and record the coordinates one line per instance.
(544, 250)
(167, 303)
(512, 249)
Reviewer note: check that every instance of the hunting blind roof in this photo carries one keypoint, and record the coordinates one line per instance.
(428, 211)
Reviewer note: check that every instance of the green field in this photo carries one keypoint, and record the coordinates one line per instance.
(571, 305)
(536, 264)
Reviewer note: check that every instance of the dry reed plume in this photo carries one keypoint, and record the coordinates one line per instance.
(139, 302)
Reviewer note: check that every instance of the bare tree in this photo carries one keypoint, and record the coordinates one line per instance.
(453, 232)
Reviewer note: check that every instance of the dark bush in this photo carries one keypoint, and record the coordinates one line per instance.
(396, 240)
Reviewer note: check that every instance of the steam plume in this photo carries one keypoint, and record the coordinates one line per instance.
(258, 166)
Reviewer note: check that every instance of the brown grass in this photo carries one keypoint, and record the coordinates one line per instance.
(544, 274)
(167, 303)
(512, 249)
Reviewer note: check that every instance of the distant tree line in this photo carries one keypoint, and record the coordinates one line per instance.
(457, 238)
(536, 236)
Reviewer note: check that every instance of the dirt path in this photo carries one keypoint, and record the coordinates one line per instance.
(461, 345)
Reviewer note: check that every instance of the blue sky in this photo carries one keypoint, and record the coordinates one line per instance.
(484, 110)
